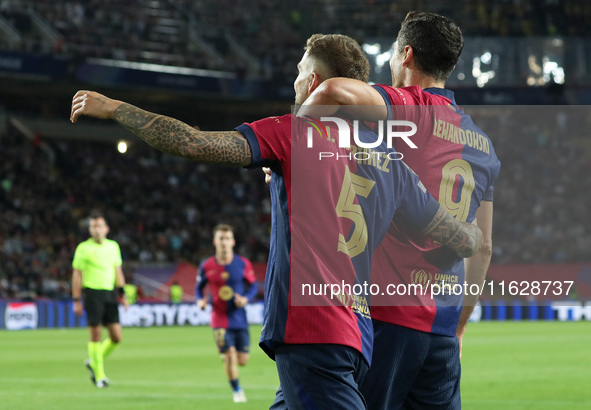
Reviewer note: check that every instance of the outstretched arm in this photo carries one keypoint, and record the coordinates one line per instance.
(343, 93)
(462, 237)
(165, 133)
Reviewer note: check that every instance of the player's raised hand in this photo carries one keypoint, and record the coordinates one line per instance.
(92, 104)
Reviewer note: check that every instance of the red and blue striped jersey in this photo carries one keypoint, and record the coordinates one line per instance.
(331, 207)
(458, 165)
(225, 281)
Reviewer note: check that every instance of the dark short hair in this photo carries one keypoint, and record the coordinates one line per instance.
(342, 55)
(223, 228)
(436, 41)
(96, 214)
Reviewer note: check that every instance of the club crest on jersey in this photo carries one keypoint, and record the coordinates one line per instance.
(226, 293)
(421, 277)
(225, 275)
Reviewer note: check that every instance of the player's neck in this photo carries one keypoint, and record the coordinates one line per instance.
(224, 258)
(423, 81)
(98, 240)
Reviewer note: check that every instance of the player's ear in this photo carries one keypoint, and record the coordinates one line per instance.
(314, 82)
(408, 57)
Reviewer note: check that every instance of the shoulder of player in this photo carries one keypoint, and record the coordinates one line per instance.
(85, 244)
(209, 262)
(242, 260)
(111, 244)
(273, 121)
(413, 95)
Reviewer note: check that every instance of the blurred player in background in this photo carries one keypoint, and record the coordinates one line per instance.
(176, 293)
(97, 270)
(416, 351)
(133, 293)
(232, 285)
(322, 352)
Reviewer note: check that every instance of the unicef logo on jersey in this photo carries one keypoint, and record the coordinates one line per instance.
(421, 277)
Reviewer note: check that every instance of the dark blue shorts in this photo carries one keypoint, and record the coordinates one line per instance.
(227, 338)
(412, 370)
(319, 376)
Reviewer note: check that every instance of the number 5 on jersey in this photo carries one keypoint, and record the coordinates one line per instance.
(346, 208)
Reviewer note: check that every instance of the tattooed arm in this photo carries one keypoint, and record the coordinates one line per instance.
(165, 133)
(463, 238)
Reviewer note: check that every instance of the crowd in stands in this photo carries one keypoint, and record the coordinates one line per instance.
(271, 31)
(541, 195)
(162, 209)
(130, 31)
(475, 17)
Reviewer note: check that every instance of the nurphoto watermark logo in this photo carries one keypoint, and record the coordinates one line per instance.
(386, 130)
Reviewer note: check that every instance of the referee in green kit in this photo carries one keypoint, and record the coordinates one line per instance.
(97, 269)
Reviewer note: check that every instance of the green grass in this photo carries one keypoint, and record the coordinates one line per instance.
(511, 365)
(527, 365)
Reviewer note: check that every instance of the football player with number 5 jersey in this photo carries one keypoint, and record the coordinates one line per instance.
(416, 351)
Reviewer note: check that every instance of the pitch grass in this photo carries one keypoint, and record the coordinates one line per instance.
(506, 365)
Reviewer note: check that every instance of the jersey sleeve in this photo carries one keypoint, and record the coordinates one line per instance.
(269, 140)
(488, 195)
(392, 96)
(118, 259)
(496, 168)
(250, 278)
(78, 256)
(201, 282)
(417, 207)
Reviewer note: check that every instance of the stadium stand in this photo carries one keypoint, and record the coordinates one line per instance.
(258, 38)
(155, 211)
(154, 207)
(162, 209)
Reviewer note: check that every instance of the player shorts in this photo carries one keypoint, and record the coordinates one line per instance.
(227, 338)
(101, 307)
(319, 376)
(412, 370)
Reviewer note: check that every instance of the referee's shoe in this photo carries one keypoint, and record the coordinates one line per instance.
(102, 383)
(90, 371)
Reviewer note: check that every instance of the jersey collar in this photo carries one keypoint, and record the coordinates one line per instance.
(443, 92)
